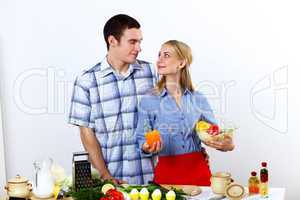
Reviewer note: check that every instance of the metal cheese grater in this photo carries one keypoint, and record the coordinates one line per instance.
(82, 177)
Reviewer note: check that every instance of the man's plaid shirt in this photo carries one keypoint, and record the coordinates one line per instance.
(107, 102)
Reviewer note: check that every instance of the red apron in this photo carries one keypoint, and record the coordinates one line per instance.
(184, 169)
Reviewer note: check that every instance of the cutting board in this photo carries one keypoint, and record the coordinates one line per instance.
(191, 190)
(34, 198)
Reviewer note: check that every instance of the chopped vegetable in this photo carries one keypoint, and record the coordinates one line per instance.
(203, 126)
(122, 192)
(114, 194)
(213, 130)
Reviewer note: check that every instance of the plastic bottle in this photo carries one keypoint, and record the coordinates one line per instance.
(264, 178)
(253, 184)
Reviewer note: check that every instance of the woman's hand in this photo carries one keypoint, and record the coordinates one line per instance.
(225, 145)
(155, 148)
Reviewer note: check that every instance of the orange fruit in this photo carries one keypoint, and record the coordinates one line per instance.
(152, 136)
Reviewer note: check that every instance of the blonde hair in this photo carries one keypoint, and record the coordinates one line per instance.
(183, 52)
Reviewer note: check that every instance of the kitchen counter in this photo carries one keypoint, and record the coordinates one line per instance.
(274, 194)
(206, 194)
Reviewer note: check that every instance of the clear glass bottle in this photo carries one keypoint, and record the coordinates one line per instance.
(264, 178)
(253, 184)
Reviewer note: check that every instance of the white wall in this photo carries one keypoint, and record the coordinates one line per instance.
(2, 157)
(249, 47)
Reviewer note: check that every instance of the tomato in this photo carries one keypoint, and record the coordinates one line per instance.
(213, 130)
(114, 194)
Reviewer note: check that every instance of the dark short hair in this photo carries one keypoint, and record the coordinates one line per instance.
(116, 25)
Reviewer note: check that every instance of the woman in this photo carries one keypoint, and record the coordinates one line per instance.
(173, 108)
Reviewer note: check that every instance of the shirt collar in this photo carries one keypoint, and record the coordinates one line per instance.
(187, 91)
(106, 68)
(164, 92)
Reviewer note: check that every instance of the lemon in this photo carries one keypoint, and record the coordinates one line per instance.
(126, 196)
(156, 195)
(134, 194)
(171, 195)
(144, 194)
(56, 190)
(107, 187)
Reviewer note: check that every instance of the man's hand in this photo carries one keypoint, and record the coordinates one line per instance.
(155, 148)
(107, 176)
(225, 145)
(92, 146)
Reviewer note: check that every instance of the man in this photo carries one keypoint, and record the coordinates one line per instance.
(104, 104)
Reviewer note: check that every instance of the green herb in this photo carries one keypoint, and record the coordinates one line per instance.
(93, 193)
(87, 194)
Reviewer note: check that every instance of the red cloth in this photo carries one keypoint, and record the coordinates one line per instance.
(184, 169)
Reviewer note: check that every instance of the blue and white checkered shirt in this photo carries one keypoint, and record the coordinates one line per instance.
(107, 102)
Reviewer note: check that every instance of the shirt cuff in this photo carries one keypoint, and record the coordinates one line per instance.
(142, 152)
(78, 122)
